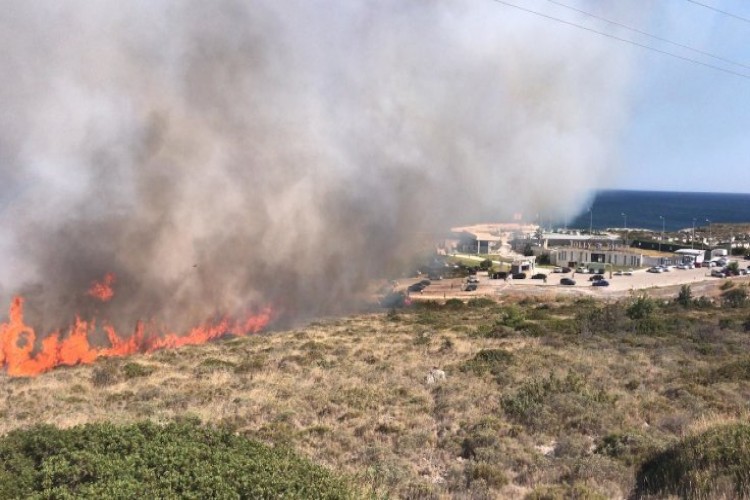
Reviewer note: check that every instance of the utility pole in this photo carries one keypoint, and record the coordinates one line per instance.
(591, 221)
(663, 224)
(625, 223)
(692, 238)
(709, 233)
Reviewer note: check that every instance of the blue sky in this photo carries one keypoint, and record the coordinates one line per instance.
(689, 126)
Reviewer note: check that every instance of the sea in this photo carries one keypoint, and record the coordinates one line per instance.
(644, 209)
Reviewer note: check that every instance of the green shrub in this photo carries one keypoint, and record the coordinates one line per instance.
(135, 370)
(494, 361)
(145, 460)
(630, 448)
(553, 403)
(714, 464)
(734, 297)
(454, 304)
(491, 474)
(685, 297)
(725, 323)
(726, 285)
(481, 302)
(493, 331)
(641, 308)
(210, 365)
(512, 316)
(578, 491)
(733, 371)
(105, 374)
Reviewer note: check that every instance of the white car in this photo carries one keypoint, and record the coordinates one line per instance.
(557, 270)
(657, 269)
(629, 272)
(619, 273)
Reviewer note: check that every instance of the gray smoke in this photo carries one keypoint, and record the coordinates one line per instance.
(220, 155)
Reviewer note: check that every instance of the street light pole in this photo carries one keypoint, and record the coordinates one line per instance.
(663, 224)
(591, 221)
(709, 233)
(625, 223)
(692, 238)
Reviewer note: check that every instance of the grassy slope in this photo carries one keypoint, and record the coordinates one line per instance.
(562, 398)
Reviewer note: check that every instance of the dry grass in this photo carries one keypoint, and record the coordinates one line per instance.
(549, 411)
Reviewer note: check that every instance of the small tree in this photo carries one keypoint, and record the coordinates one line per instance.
(685, 298)
(486, 264)
(734, 297)
(641, 308)
(734, 268)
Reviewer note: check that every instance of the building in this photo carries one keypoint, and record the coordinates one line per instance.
(573, 249)
(488, 238)
(575, 256)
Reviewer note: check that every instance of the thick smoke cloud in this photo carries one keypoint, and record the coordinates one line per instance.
(219, 155)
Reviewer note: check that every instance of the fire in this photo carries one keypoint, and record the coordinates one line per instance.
(103, 290)
(21, 356)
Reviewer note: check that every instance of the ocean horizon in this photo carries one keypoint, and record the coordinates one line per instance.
(645, 209)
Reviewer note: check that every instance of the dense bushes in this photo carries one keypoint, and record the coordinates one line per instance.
(145, 460)
(715, 464)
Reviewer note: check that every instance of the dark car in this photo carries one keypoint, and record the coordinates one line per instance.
(519, 276)
(601, 282)
(416, 287)
(566, 269)
(425, 282)
(539, 276)
(567, 281)
(596, 277)
(470, 287)
(499, 275)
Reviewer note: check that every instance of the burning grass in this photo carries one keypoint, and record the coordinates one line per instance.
(575, 405)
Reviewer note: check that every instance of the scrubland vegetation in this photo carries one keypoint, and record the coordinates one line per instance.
(569, 398)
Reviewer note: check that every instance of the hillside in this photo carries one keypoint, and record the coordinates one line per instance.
(539, 400)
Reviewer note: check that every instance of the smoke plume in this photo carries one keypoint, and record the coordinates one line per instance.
(219, 155)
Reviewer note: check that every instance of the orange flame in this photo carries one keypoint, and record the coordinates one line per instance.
(103, 290)
(17, 341)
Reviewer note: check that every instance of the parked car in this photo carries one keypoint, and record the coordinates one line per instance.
(566, 269)
(567, 281)
(600, 283)
(470, 287)
(629, 272)
(709, 263)
(472, 279)
(519, 276)
(539, 276)
(596, 277)
(656, 269)
(416, 287)
(499, 275)
(619, 273)
(557, 270)
(425, 282)
(717, 273)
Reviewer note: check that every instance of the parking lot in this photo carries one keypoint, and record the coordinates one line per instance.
(618, 285)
